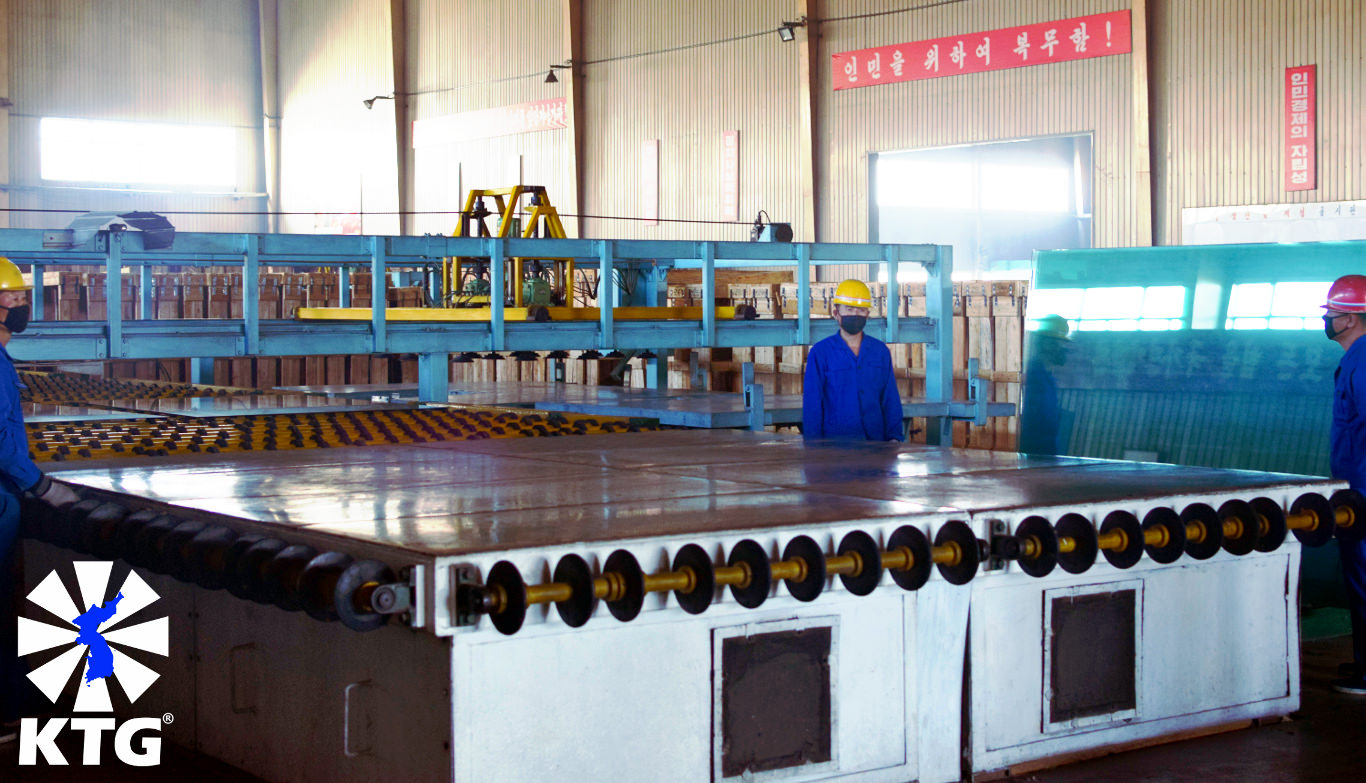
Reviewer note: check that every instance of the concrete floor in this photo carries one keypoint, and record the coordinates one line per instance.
(1324, 741)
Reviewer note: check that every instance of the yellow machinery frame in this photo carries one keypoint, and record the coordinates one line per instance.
(543, 220)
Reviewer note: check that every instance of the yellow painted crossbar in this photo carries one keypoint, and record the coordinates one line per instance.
(435, 314)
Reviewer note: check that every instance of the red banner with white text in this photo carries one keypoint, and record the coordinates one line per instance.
(1080, 38)
(1301, 141)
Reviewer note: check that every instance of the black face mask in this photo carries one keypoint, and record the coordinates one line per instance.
(1328, 326)
(853, 324)
(16, 320)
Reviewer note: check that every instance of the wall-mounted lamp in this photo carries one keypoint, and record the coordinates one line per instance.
(370, 102)
(788, 31)
(550, 77)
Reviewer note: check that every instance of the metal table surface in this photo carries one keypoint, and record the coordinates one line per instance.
(477, 496)
(48, 413)
(249, 404)
(673, 407)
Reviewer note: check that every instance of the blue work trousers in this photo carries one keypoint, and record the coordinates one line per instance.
(1354, 575)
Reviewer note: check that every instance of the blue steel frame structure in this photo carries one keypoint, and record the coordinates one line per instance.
(203, 340)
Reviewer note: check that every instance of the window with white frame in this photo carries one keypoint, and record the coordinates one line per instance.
(138, 154)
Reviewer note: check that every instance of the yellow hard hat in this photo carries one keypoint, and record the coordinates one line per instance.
(854, 293)
(11, 279)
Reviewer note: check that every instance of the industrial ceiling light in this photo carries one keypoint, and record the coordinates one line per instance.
(550, 77)
(370, 102)
(788, 31)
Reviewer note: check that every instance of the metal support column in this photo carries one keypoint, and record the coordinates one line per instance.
(804, 294)
(145, 305)
(891, 255)
(201, 370)
(36, 299)
(606, 291)
(708, 294)
(939, 353)
(344, 286)
(113, 293)
(433, 377)
(378, 295)
(754, 397)
(251, 295)
(497, 292)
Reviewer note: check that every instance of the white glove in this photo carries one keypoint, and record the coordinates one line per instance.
(53, 493)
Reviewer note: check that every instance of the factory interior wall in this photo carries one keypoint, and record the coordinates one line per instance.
(1215, 104)
(150, 61)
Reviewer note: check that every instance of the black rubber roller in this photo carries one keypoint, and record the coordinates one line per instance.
(318, 585)
(1271, 516)
(206, 557)
(913, 540)
(1204, 531)
(1173, 532)
(363, 573)
(173, 545)
(505, 580)
(1316, 504)
(233, 558)
(626, 607)
(251, 569)
(1038, 545)
(99, 526)
(956, 532)
(115, 540)
(695, 559)
(574, 571)
(1128, 555)
(751, 554)
(1240, 537)
(65, 528)
(806, 549)
(281, 576)
(1081, 536)
(1354, 528)
(145, 546)
(860, 545)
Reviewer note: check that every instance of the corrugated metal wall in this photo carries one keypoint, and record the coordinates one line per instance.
(1088, 96)
(139, 60)
(1219, 90)
(686, 99)
(466, 57)
(336, 155)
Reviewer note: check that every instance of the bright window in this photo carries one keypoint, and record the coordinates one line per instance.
(137, 153)
(1289, 305)
(1157, 308)
(926, 184)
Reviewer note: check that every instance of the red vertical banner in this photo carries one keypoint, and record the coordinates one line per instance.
(649, 181)
(1301, 141)
(730, 175)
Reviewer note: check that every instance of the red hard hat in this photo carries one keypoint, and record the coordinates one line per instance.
(1347, 295)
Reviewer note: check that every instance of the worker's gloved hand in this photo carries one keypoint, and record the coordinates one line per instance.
(53, 493)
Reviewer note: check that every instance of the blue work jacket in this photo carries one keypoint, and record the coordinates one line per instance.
(1348, 435)
(17, 471)
(848, 396)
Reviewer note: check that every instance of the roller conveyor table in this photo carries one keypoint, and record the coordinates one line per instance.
(473, 696)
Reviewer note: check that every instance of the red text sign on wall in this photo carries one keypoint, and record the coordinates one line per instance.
(730, 175)
(486, 123)
(1300, 139)
(1083, 37)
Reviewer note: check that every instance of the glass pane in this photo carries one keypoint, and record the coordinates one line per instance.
(1119, 302)
(1065, 302)
(1299, 299)
(1249, 323)
(1159, 324)
(1124, 325)
(1288, 323)
(1095, 326)
(1164, 301)
(1249, 299)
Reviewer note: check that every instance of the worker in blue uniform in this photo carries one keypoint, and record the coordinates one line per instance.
(1344, 322)
(850, 390)
(18, 475)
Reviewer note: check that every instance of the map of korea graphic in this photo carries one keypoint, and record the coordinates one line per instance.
(97, 638)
